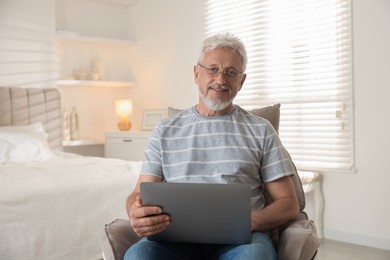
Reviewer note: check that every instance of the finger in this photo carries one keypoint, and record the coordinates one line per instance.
(152, 230)
(141, 212)
(138, 201)
(150, 221)
(152, 225)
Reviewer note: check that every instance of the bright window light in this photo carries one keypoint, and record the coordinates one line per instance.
(299, 55)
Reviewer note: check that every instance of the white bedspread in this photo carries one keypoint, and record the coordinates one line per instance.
(56, 209)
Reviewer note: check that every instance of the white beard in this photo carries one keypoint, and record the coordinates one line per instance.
(215, 104)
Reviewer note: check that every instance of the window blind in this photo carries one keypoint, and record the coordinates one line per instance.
(299, 55)
(27, 44)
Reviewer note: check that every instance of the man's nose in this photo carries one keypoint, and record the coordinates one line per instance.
(221, 77)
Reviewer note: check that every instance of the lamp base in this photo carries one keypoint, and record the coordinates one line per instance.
(124, 124)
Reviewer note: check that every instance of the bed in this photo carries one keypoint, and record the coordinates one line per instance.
(53, 205)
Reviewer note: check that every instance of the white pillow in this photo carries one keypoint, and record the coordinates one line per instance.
(23, 128)
(23, 146)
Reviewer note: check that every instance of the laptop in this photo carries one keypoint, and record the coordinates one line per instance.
(202, 213)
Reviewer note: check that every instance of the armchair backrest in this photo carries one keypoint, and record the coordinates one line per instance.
(299, 191)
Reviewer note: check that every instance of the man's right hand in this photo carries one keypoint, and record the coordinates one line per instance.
(147, 220)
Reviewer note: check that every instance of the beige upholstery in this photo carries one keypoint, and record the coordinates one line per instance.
(311, 183)
(296, 240)
(271, 113)
(21, 106)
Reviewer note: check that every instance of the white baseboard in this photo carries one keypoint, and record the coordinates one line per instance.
(359, 239)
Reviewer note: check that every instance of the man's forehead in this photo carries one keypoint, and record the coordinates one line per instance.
(225, 55)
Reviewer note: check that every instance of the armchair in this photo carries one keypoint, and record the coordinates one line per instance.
(296, 240)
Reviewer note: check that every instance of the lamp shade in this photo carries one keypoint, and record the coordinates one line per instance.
(124, 107)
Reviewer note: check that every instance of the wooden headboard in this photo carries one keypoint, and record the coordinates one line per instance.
(19, 106)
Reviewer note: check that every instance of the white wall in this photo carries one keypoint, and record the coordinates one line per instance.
(168, 35)
(356, 208)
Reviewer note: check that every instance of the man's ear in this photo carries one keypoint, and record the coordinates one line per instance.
(242, 81)
(196, 71)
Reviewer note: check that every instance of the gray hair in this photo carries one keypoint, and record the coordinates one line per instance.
(225, 40)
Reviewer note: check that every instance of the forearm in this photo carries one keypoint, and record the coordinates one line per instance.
(284, 206)
(275, 215)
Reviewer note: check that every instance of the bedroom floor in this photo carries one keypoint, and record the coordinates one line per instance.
(334, 250)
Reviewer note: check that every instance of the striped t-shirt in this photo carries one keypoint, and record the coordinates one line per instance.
(238, 147)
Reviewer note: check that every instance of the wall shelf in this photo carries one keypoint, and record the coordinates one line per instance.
(117, 2)
(95, 48)
(75, 37)
(91, 83)
(77, 52)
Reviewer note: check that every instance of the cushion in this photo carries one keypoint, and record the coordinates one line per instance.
(24, 143)
(270, 113)
(116, 238)
(172, 111)
(23, 128)
(299, 241)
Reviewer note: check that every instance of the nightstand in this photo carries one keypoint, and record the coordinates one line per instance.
(84, 147)
(126, 145)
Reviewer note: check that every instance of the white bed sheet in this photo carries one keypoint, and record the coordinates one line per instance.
(56, 209)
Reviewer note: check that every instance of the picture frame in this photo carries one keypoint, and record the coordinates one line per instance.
(151, 117)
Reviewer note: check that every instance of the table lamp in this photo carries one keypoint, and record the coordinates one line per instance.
(124, 108)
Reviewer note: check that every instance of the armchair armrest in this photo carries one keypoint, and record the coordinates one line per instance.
(116, 238)
(299, 241)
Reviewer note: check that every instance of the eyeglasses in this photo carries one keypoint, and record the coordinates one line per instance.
(228, 72)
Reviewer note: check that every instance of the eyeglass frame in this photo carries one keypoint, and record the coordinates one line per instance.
(225, 71)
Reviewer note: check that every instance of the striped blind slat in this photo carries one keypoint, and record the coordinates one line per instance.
(27, 44)
(299, 55)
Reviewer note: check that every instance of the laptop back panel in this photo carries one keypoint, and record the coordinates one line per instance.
(202, 213)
